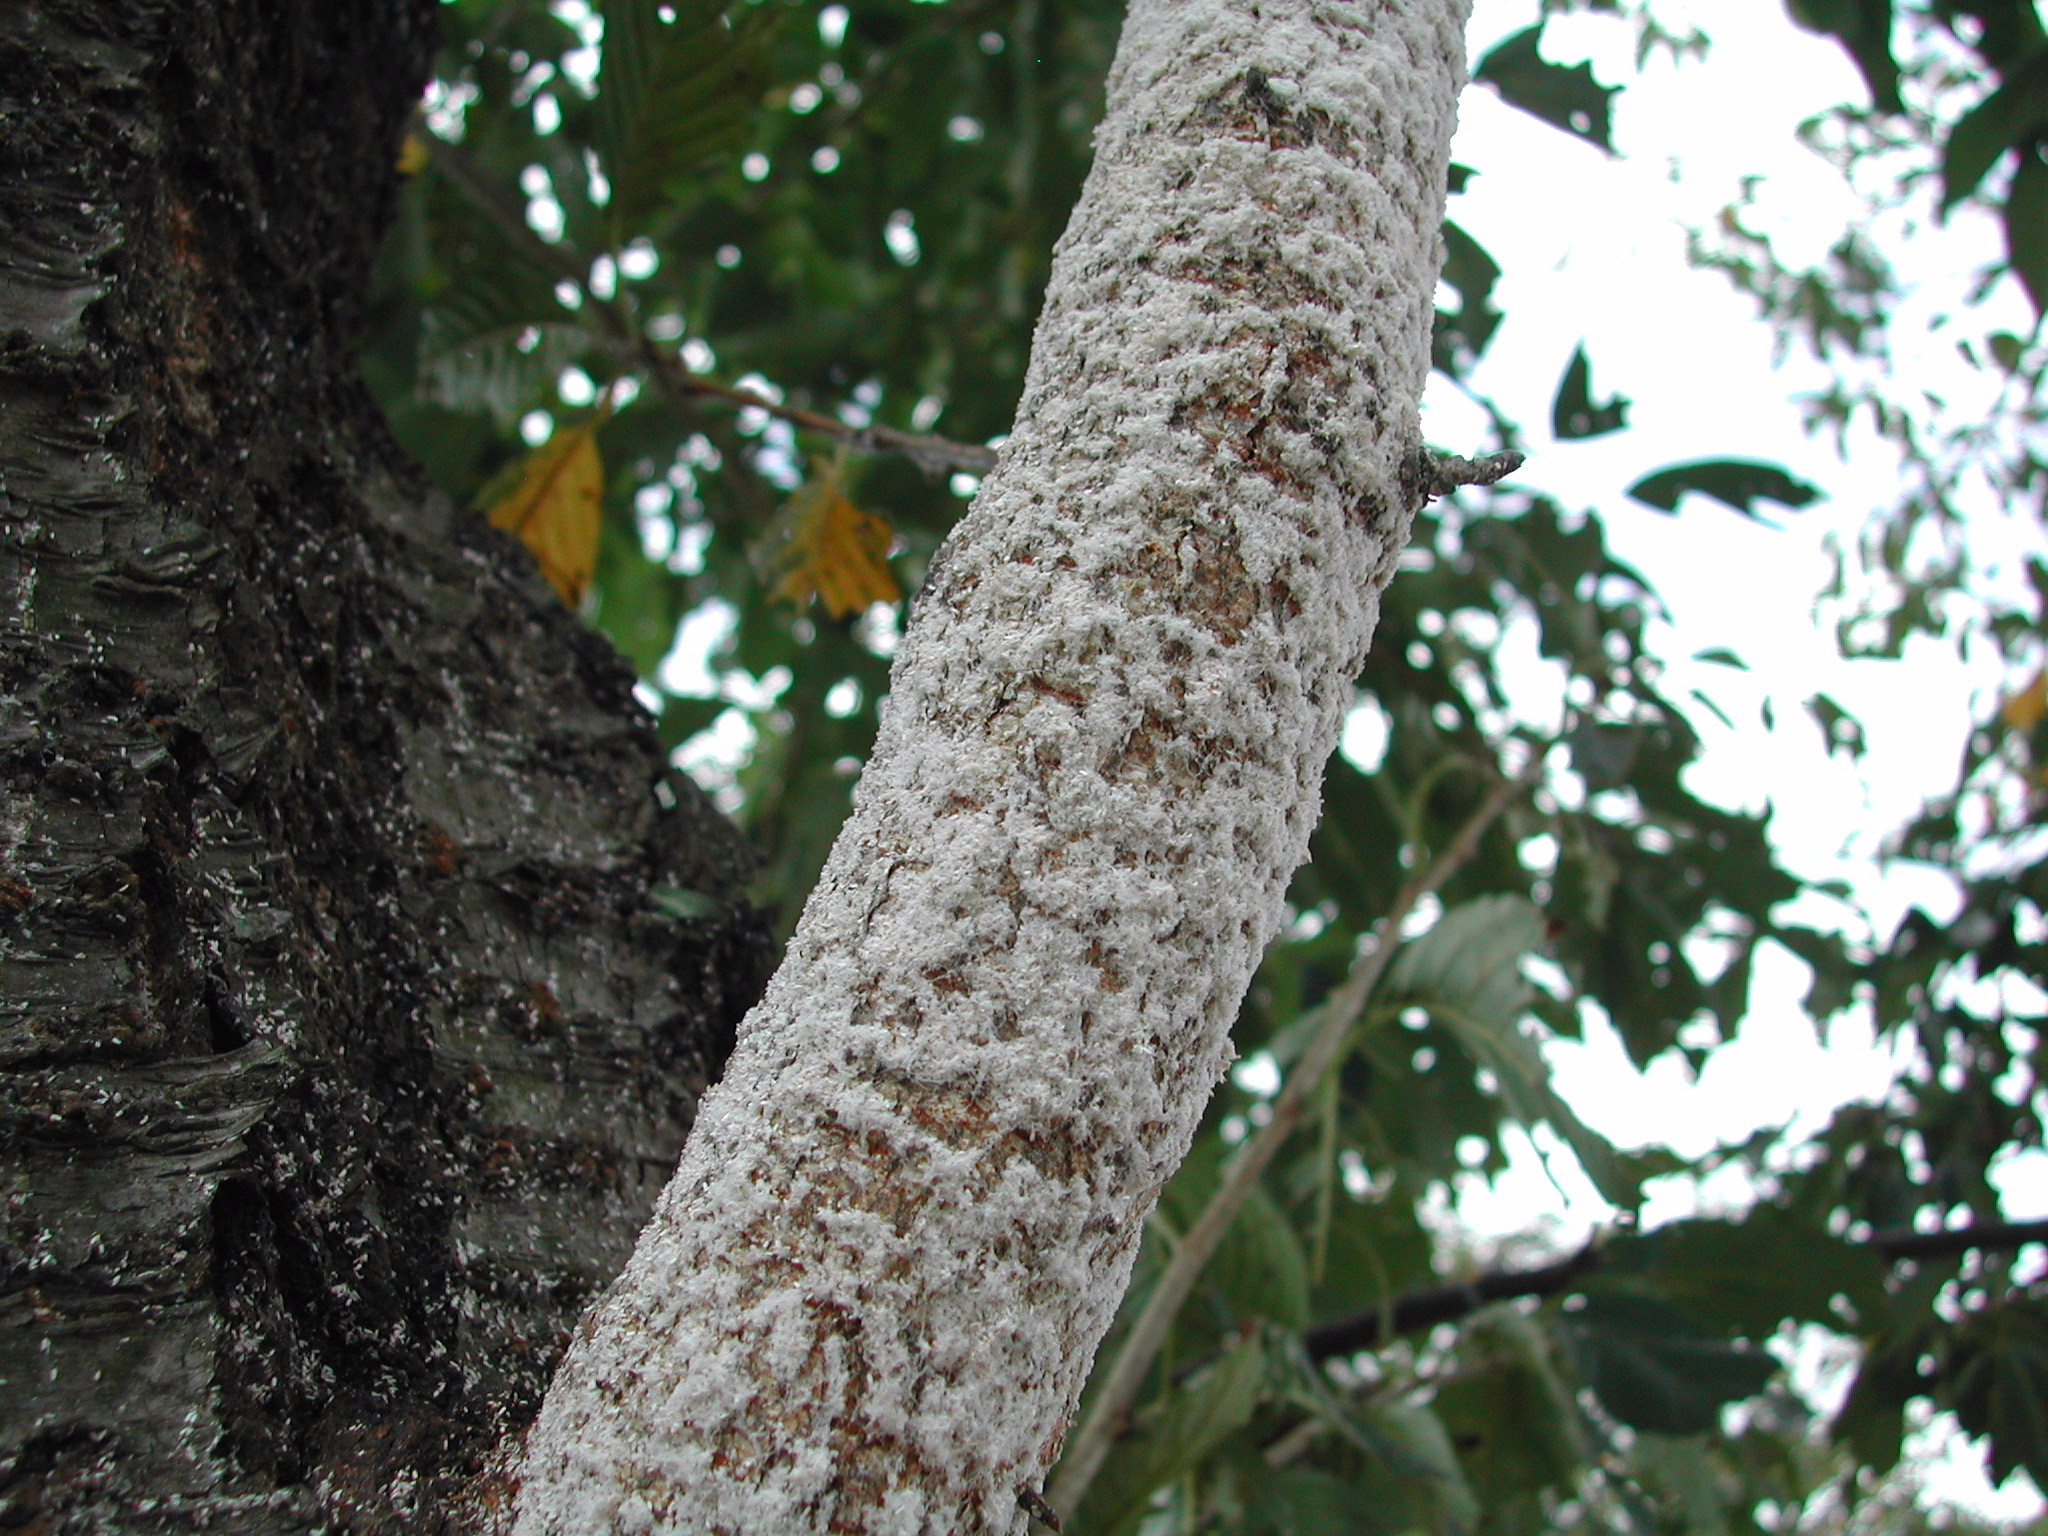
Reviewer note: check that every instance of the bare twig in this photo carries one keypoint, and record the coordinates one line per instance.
(1986, 1236)
(1446, 1304)
(1032, 1502)
(1370, 1328)
(1443, 473)
(1113, 1399)
(932, 453)
(639, 350)
(563, 262)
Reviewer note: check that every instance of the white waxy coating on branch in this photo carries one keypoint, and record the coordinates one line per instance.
(904, 1219)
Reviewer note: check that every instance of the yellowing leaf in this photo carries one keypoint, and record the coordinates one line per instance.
(552, 507)
(413, 154)
(2023, 711)
(834, 551)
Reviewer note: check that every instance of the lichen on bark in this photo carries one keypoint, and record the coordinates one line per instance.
(903, 1222)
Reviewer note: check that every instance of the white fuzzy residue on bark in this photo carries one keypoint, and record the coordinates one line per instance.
(903, 1222)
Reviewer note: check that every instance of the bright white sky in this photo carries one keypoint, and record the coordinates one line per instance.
(1594, 249)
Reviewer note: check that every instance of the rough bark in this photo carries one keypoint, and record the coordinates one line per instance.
(340, 1049)
(904, 1220)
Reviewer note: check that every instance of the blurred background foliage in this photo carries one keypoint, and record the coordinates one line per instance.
(780, 262)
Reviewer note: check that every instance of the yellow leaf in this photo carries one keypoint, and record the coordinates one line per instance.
(834, 551)
(413, 154)
(2023, 710)
(552, 507)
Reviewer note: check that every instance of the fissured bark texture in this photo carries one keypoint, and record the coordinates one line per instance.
(342, 1052)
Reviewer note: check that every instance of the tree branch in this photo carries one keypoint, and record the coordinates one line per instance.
(931, 453)
(1443, 473)
(1994, 1236)
(1373, 1327)
(637, 349)
(1422, 1309)
(904, 1217)
(1085, 1452)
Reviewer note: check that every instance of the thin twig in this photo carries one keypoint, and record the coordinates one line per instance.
(640, 350)
(1954, 1241)
(1368, 1329)
(1113, 1399)
(562, 261)
(1443, 473)
(1374, 1326)
(927, 452)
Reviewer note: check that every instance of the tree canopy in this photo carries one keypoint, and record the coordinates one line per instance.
(720, 307)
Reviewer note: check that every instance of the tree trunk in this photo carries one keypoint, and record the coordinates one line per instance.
(341, 1047)
(870, 1297)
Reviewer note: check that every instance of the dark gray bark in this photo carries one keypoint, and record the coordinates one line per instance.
(341, 1051)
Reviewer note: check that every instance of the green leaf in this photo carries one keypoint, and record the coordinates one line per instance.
(1842, 730)
(1864, 27)
(1359, 819)
(2010, 116)
(1997, 1377)
(1603, 755)
(1467, 971)
(1686, 1471)
(1171, 1436)
(1750, 1276)
(639, 601)
(1565, 96)
(504, 372)
(1409, 1480)
(1261, 1267)
(1512, 1418)
(683, 905)
(1573, 414)
(1872, 1419)
(1460, 338)
(682, 718)
(1302, 1501)
(1369, 1244)
(1421, 1450)
(2026, 226)
(1836, 973)
(1655, 1368)
(1735, 483)
(2009, 30)
(1401, 1447)
(494, 337)
(1469, 962)
(674, 95)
